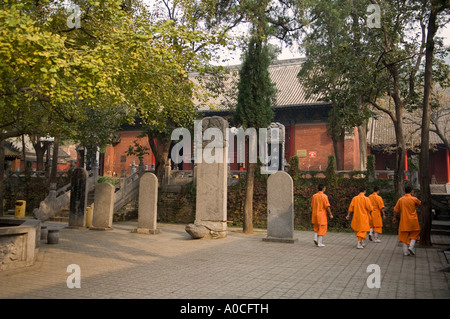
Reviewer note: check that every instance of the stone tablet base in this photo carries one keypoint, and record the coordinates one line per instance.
(76, 227)
(217, 234)
(19, 242)
(100, 228)
(212, 230)
(281, 240)
(146, 231)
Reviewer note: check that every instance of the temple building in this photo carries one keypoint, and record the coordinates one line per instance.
(305, 122)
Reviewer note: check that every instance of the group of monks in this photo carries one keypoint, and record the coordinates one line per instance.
(368, 215)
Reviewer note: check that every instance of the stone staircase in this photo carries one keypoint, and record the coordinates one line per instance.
(440, 199)
(125, 206)
(90, 197)
(128, 212)
(440, 227)
(63, 215)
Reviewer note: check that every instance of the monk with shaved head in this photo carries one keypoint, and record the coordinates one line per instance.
(361, 208)
(320, 207)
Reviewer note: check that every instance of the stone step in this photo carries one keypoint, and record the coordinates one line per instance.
(61, 219)
(63, 216)
(440, 227)
(91, 197)
(444, 232)
(440, 224)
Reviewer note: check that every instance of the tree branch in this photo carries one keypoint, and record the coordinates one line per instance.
(385, 110)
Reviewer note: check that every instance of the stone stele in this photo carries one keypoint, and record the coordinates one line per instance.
(148, 205)
(78, 198)
(280, 208)
(103, 207)
(211, 200)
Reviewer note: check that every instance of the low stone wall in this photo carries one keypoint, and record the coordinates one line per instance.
(127, 212)
(174, 206)
(19, 242)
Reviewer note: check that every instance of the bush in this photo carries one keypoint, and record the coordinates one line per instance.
(293, 170)
(107, 179)
(370, 168)
(332, 179)
(32, 189)
(339, 194)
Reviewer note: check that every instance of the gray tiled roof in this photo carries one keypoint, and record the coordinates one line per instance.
(381, 131)
(284, 75)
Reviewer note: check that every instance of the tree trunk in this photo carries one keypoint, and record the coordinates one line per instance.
(336, 132)
(400, 161)
(3, 136)
(362, 134)
(248, 203)
(24, 152)
(165, 154)
(399, 175)
(160, 156)
(425, 193)
(54, 168)
(337, 154)
(2, 172)
(39, 150)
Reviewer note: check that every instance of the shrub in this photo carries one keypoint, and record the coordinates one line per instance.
(107, 179)
(339, 195)
(26, 186)
(293, 170)
(370, 168)
(331, 172)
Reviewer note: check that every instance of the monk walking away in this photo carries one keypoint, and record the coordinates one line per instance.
(408, 228)
(361, 207)
(376, 220)
(320, 207)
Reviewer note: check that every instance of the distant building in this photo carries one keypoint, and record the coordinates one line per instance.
(382, 142)
(67, 155)
(12, 154)
(304, 120)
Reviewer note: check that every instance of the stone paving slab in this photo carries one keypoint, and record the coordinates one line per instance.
(171, 265)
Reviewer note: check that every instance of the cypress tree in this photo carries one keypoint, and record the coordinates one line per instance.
(256, 90)
(254, 107)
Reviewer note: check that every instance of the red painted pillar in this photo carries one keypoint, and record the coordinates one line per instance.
(448, 165)
(153, 159)
(406, 164)
(292, 142)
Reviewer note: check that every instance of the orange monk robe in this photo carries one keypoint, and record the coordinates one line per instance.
(378, 205)
(409, 227)
(361, 208)
(319, 205)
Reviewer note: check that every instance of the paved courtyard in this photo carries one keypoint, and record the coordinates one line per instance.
(171, 265)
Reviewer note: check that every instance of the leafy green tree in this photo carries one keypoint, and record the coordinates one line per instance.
(370, 168)
(118, 63)
(42, 74)
(254, 107)
(256, 92)
(335, 69)
(436, 10)
(163, 100)
(332, 178)
(355, 65)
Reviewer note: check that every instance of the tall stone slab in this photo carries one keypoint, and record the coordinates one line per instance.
(78, 198)
(275, 144)
(103, 207)
(211, 175)
(280, 208)
(148, 205)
